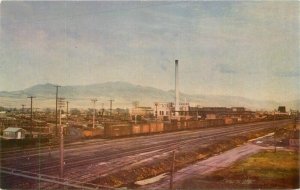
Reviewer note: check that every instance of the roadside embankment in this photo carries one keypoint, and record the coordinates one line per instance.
(128, 177)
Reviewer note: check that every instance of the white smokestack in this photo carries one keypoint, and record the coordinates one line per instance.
(176, 89)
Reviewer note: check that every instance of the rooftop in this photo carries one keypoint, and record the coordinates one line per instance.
(12, 129)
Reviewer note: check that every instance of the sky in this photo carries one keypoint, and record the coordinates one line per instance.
(248, 49)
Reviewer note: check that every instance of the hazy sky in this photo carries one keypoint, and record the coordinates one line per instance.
(248, 49)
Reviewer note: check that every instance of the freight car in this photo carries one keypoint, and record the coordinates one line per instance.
(156, 127)
(97, 132)
(193, 124)
(117, 130)
(146, 128)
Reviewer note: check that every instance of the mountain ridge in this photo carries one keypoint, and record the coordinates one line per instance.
(124, 93)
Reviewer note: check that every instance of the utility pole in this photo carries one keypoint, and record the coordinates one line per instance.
(23, 108)
(274, 133)
(56, 128)
(172, 170)
(31, 113)
(156, 104)
(110, 106)
(102, 105)
(135, 104)
(67, 118)
(67, 112)
(295, 123)
(94, 104)
(61, 150)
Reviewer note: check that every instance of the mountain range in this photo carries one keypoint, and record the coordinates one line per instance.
(124, 94)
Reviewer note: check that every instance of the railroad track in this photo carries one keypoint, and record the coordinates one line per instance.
(75, 161)
(44, 149)
(182, 138)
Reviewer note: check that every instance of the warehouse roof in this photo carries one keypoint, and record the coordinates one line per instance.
(12, 129)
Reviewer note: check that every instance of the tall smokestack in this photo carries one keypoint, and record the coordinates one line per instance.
(176, 89)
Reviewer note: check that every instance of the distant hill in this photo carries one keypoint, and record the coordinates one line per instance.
(124, 94)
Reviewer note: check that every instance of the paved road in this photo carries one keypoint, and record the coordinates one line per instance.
(88, 160)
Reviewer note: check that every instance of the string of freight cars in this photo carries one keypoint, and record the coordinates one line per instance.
(129, 129)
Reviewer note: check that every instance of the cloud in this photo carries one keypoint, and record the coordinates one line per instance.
(294, 73)
(135, 42)
(225, 69)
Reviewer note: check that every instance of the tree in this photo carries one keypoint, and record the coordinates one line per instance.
(75, 111)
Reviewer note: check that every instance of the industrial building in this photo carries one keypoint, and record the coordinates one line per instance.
(281, 109)
(166, 111)
(141, 112)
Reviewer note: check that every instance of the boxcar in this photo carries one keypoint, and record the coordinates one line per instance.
(136, 129)
(117, 130)
(93, 132)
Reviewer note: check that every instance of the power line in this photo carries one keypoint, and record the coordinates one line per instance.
(52, 179)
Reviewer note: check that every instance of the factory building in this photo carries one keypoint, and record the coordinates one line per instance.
(142, 111)
(281, 109)
(166, 111)
(229, 114)
(163, 110)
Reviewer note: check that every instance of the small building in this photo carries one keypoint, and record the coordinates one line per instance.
(281, 109)
(14, 133)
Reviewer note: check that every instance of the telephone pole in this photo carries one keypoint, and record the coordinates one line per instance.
(94, 104)
(295, 123)
(61, 149)
(56, 128)
(23, 108)
(102, 105)
(274, 133)
(67, 122)
(31, 113)
(111, 100)
(172, 170)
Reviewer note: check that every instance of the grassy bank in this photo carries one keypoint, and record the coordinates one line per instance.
(266, 170)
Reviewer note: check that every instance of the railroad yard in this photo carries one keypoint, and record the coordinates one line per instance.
(149, 95)
(99, 163)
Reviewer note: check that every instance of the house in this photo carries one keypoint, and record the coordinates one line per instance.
(14, 133)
